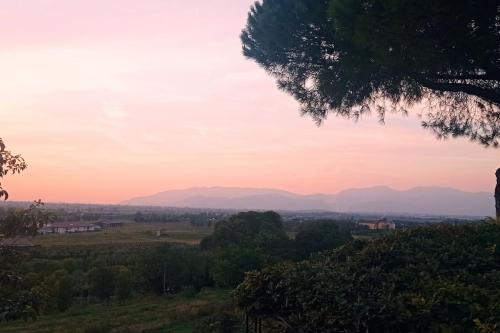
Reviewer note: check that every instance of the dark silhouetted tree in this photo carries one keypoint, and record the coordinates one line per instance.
(259, 230)
(123, 281)
(351, 57)
(169, 268)
(64, 293)
(230, 265)
(102, 282)
(437, 278)
(244, 242)
(25, 221)
(318, 236)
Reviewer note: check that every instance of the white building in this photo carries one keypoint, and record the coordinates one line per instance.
(64, 228)
(382, 224)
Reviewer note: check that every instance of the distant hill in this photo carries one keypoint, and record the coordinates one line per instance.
(231, 198)
(380, 199)
(418, 200)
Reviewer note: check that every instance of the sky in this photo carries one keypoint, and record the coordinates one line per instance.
(108, 100)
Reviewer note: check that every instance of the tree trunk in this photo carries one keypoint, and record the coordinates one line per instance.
(497, 195)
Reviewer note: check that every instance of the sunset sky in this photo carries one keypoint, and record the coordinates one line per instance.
(108, 100)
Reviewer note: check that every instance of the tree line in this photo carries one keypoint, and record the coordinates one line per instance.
(52, 279)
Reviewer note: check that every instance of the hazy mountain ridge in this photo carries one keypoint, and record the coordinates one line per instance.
(380, 199)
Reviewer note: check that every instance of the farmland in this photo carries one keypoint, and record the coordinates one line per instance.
(130, 233)
(141, 314)
(158, 276)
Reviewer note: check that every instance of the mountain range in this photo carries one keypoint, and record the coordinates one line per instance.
(379, 199)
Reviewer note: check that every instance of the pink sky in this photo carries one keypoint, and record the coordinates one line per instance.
(110, 99)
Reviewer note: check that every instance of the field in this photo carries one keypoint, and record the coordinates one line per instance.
(130, 233)
(81, 257)
(146, 314)
(142, 313)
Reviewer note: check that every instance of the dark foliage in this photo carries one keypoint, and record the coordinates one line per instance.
(350, 57)
(319, 236)
(102, 282)
(123, 283)
(64, 293)
(429, 279)
(245, 242)
(9, 163)
(260, 231)
(230, 264)
(17, 298)
(24, 222)
(167, 269)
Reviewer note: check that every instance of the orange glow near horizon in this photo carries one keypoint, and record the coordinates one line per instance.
(109, 100)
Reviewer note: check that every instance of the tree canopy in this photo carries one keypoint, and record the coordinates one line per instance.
(25, 221)
(427, 279)
(263, 231)
(352, 57)
(318, 236)
(244, 242)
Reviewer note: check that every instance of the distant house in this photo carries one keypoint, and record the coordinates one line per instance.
(64, 228)
(46, 230)
(109, 224)
(382, 224)
(17, 242)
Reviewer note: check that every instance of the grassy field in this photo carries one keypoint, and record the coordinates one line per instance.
(147, 314)
(130, 233)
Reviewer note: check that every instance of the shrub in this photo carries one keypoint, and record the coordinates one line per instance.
(102, 282)
(123, 283)
(64, 293)
(230, 265)
(320, 236)
(428, 279)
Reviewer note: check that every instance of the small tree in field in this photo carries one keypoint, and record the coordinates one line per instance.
(123, 283)
(102, 281)
(64, 293)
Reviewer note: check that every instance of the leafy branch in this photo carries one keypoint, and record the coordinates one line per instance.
(9, 163)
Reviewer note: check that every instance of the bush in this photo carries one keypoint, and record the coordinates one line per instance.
(320, 236)
(263, 231)
(230, 265)
(123, 283)
(64, 293)
(428, 279)
(174, 267)
(102, 282)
